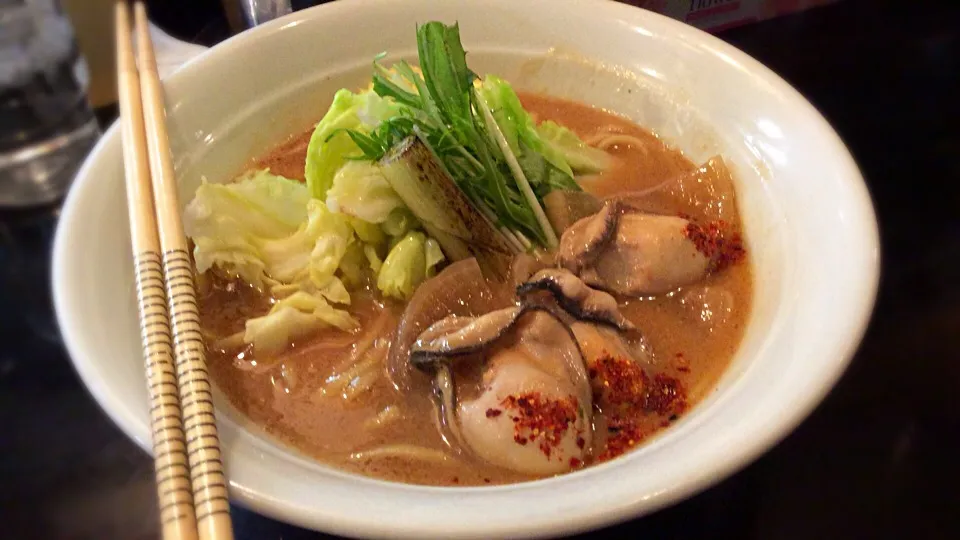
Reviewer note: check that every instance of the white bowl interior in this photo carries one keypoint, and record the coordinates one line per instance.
(810, 231)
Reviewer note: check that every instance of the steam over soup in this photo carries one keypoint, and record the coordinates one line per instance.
(450, 283)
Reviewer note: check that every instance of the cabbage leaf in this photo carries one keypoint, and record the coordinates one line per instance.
(582, 158)
(268, 231)
(313, 252)
(360, 190)
(412, 260)
(331, 146)
(292, 317)
(543, 147)
(229, 222)
(517, 125)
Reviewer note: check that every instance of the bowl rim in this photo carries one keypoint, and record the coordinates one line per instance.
(763, 436)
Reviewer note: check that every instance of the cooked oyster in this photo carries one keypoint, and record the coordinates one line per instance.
(533, 409)
(575, 297)
(631, 253)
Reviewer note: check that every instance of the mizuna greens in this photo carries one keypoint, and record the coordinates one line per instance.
(479, 130)
(368, 214)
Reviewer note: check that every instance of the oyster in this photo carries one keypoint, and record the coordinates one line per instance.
(631, 253)
(575, 297)
(532, 408)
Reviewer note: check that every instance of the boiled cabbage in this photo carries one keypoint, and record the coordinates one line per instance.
(229, 222)
(330, 146)
(400, 222)
(583, 159)
(542, 164)
(408, 264)
(294, 316)
(555, 144)
(313, 252)
(516, 123)
(360, 190)
(269, 232)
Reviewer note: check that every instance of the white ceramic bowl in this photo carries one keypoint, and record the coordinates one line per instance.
(810, 228)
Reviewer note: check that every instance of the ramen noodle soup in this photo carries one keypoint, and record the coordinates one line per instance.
(448, 282)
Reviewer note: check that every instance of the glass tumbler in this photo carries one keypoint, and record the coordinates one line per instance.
(47, 126)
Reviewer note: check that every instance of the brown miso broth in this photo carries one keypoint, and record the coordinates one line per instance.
(298, 396)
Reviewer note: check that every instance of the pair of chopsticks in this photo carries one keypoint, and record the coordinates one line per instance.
(191, 484)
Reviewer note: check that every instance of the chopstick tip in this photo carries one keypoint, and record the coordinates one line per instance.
(125, 62)
(121, 13)
(140, 10)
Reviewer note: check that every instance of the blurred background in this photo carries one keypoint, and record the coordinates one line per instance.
(878, 459)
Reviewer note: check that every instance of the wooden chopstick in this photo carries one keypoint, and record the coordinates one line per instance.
(191, 484)
(177, 517)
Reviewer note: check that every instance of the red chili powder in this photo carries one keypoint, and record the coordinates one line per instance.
(542, 419)
(628, 396)
(714, 240)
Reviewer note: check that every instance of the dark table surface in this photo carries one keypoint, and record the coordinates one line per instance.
(880, 458)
